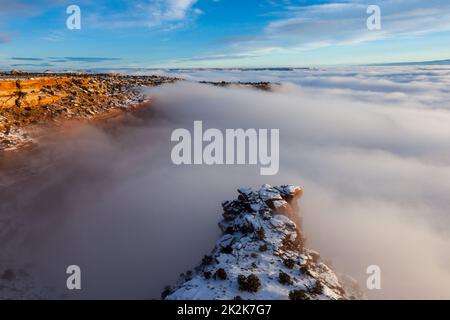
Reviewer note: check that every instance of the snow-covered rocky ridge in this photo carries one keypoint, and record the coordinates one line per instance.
(261, 255)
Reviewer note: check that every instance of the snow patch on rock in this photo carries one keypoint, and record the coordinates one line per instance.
(261, 255)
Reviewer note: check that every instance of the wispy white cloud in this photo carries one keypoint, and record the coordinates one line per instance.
(162, 15)
(302, 27)
(54, 36)
(170, 12)
(178, 9)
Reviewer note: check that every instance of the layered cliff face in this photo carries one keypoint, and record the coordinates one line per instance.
(30, 99)
(261, 255)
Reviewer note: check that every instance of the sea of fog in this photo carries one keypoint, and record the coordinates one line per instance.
(369, 145)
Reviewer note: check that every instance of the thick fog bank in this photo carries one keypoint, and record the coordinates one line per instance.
(376, 174)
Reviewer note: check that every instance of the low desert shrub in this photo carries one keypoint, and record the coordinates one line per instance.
(207, 260)
(298, 295)
(221, 274)
(260, 234)
(250, 283)
(289, 263)
(284, 278)
(318, 288)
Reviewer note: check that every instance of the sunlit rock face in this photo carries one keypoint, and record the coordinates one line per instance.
(30, 99)
(261, 255)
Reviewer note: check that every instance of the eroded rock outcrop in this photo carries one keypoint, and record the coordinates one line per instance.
(263, 85)
(37, 98)
(261, 255)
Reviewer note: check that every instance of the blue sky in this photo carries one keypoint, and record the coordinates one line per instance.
(220, 33)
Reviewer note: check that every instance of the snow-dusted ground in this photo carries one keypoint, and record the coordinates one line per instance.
(260, 240)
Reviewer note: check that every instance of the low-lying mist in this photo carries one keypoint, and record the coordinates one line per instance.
(376, 177)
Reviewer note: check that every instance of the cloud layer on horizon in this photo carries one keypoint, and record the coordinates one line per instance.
(376, 172)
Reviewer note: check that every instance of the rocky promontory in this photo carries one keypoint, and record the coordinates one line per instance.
(30, 99)
(262, 255)
(263, 85)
